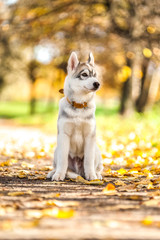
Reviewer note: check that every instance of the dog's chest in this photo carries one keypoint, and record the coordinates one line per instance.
(77, 131)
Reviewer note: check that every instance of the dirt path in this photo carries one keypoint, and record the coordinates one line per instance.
(32, 207)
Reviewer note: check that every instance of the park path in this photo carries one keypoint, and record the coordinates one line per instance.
(31, 207)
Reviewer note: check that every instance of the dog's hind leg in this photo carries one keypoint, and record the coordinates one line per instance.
(98, 163)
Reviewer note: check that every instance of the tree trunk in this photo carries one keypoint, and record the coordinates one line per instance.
(126, 105)
(32, 99)
(32, 106)
(145, 83)
(32, 67)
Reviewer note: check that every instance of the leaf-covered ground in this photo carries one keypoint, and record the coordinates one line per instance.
(125, 205)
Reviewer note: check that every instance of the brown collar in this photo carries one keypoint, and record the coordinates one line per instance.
(77, 105)
(74, 104)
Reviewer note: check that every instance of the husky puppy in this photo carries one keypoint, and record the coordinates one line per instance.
(76, 152)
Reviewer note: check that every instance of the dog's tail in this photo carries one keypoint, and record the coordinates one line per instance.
(71, 174)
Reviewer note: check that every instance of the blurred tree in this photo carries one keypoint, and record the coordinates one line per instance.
(5, 56)
(9, 56)
(117, 31)
(145, 83)
(136, 23)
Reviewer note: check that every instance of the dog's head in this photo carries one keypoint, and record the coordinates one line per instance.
(82, 77)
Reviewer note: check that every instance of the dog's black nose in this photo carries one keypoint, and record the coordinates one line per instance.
(96, 85)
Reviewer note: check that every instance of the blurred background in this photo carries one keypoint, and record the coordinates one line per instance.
(37, 37)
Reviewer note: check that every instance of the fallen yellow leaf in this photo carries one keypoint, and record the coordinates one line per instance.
(9, 162)
(108, 171)
(6, 225)
(65, 213)
(46, 168)
(109, 189)
(41, 177)
(133, 171)
(122, 171)
(52, 195)
(50, 212)
(150, 186)
(81, 180)
(27, 165)
(19, 193)
(23, 173)
(149, 175)
(96, 182)
(92, 182)
(2, 211)
(147, 52)
(30, 224)
(58, 213)
(147, 220)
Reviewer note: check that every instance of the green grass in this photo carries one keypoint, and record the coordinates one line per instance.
(44, 112)
(19, 113)
(13, 109)
(46, 115)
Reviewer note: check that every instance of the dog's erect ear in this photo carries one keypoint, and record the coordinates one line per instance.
(91, 59)
(72, 62)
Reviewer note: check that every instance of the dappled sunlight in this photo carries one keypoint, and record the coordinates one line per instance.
(123, 147)
(36, 39)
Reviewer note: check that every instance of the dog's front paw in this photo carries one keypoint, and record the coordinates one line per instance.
(50, 174)
(58, 176)
(90, 176)
(99, 176)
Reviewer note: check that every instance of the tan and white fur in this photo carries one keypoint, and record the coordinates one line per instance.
(77, 152)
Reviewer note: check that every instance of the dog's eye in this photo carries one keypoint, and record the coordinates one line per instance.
(84, 74)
